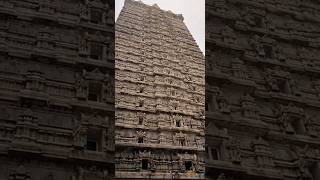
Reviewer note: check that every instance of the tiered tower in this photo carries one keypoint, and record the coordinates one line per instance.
(56, 89)
(262, 89)
(159, 96)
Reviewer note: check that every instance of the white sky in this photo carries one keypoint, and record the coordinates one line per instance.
(193, 12)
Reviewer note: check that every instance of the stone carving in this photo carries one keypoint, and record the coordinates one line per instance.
(239, 69)
(249, 107)
(83, 44)
(223, 103)
(27, 126)
(274, 75)
(234, 150)
(222, 177)
(50, 176)
(281, 81)
(84, 10)
(80, 173)
(310, 127)
(80, 137)
(35, 79)
(228, 35)
(159, 108)
(264, 156)
(257, 46)
(47, 6)
(81, 87)
(21, 173)
(41, 83)
(211, 64)
(292, 115)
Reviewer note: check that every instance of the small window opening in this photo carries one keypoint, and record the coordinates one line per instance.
(175, 107)
(188, 165)
(94, 93)
(140, 120)
(145, 163)
(258, 21)
(268, 51)
(96, 51)
(173, 93)
(207, 151)
(141, 89)
(140, 103)
(214, 154)
(96, 17)
(93, 140)
(178, 123)
(182, 142)
(298, 126)
(140, 140)
(283, 86)
(314, 169)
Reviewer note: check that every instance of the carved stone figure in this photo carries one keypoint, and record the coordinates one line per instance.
(264, 156)
(239, 69)
(249, 106)
(271, 89)
(228, 35)
(223, 103)
(234, 150)
(257, 46)
(81, 87)
(172, 97)
(45, 80)
(84, 44)
(20, 173)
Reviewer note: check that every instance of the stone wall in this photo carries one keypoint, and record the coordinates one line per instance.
(56, 89)
(159, 96)
(262, 98)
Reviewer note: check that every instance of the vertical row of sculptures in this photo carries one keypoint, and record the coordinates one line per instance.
(159, 96)
(57, 90)
(262, 102)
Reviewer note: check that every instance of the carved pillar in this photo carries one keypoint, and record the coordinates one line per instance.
(47, 6)
(80, 137)
(35, 80)
(228, 35)
(234, 150)
(84, 44)
(84, 10)
(238, 68)
(21, 173)
(81, 87)
(249, 107)
(27, 127)
(264, 156)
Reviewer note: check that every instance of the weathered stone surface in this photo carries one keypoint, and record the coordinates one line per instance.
(56, 90)
(159, 96)
(262, 90)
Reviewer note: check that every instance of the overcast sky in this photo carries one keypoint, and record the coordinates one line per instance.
(193, 12)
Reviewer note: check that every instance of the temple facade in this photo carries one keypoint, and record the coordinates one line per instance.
(160, 96)
(56, 90)
(262, 90)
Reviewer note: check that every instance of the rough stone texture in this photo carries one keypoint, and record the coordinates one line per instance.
(159, 96)
(262, 89)
(50, 119)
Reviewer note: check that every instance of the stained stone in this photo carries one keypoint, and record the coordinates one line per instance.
(56, 95)
(262, 90)
(159, 96)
